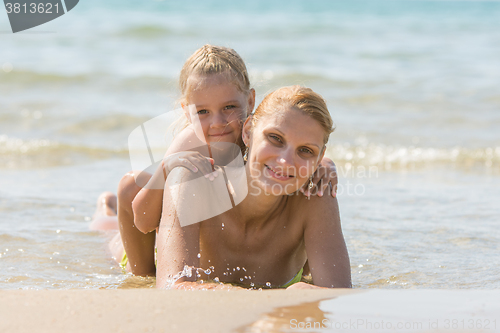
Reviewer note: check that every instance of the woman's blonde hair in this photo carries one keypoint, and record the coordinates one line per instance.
(300, 98)
(210, 60)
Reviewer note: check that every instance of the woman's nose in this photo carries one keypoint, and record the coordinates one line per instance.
(286, 158)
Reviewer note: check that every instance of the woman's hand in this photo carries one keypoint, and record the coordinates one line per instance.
(205, 286)
(324, 175)
(193, 161)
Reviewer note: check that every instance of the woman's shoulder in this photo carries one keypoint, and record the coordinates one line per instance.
(313, 208)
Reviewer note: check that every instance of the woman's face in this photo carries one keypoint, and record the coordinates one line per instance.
(284, 150)
(219, 108)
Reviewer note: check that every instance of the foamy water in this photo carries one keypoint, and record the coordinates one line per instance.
(412, 87)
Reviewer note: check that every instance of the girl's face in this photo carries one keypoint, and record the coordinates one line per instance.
(285, 149)
(220, 108)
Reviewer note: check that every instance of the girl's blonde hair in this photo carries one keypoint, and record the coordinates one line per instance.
(210, 60)
(300, 98)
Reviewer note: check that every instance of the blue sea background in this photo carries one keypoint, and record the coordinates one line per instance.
(413, 87)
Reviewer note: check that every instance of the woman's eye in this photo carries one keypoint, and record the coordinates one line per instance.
(202, 112)
(306, 150)
(275, 138)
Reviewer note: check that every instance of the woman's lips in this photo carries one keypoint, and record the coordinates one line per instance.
(276, 174)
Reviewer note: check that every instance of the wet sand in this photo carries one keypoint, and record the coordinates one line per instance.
(142, 310)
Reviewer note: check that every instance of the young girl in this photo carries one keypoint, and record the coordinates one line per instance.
(215, 80)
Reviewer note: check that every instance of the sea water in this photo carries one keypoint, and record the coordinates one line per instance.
(413, 87)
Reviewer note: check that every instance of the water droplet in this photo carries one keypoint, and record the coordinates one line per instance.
(241, 279)
(199, 255)
(243, 268)
(252, 284)
(216, 279)
(268, 284)
(237, 268)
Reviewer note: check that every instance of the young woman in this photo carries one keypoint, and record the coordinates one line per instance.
(266, 240)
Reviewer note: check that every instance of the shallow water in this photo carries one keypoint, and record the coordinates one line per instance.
(412, 87)
(387, 311)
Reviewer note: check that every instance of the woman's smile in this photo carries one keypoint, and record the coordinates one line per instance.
(278, 174)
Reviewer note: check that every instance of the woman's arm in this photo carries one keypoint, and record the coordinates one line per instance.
(325, 246)
(179, 246)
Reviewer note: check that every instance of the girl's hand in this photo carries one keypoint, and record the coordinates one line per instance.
(324, 175)
(190, 160)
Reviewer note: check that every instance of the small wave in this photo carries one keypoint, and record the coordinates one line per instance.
(261, 78)
(36, 153)
(387, 157)
(17, 153)
(104, 124)
(7, 239)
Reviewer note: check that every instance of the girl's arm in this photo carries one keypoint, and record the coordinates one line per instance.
(324, 175)
(147, 205)
(325, 246)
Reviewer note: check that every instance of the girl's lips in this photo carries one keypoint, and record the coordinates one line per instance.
(276, 175)
(220, 134)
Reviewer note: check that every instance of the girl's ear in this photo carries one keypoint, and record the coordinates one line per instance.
(247, 131)
(251, 101)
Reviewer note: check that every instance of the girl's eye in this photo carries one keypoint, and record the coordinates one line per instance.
(229, 107)
(202, 112)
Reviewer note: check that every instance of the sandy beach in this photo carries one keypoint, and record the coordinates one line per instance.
(143, 310)
(333, 310)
